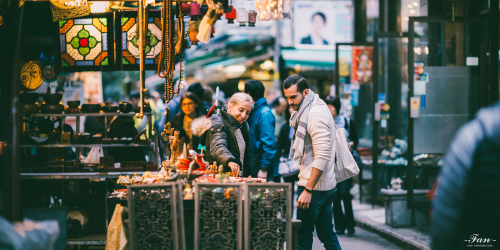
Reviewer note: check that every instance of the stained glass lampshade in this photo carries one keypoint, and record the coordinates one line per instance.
(127, 44)
(86, 43)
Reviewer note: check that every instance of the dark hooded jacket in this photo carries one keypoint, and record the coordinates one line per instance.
(467, 205)
(217, 134)
(262, 142)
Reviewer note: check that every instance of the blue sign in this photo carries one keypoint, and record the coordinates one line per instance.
(355, 98)
(381, 97)
(422, 102)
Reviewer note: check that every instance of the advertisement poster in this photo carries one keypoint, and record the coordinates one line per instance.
(321, 24)
(362, 64)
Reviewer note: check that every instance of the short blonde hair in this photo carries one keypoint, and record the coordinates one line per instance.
(239, 97)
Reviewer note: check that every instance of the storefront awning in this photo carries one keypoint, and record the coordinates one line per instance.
(309, 59)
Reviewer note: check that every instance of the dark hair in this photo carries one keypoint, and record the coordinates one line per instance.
(197, 89)
(191, 96)
(334, 101)
(296, 80)
(276, 101)
(319, 14)
(255, 89)
(134, 94)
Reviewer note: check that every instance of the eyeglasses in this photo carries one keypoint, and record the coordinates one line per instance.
(188, 104)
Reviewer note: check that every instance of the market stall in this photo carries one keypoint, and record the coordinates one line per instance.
(91, 169)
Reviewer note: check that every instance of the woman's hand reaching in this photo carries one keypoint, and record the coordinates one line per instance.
(235, 169)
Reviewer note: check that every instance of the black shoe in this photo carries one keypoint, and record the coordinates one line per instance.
(340, 232)
(351, 231)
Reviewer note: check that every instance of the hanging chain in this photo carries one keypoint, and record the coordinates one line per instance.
(166, 65)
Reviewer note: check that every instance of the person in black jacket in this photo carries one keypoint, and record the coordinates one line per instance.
(197, 89)
(467, 205)
(182, 121)
(343, 219)
(283, 150)
(226, 135)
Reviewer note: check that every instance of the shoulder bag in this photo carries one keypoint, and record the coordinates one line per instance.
(345, 165)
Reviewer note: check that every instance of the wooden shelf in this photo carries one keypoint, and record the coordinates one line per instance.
(86, 114)
(97, 239)
(80, 175)
(87, 145)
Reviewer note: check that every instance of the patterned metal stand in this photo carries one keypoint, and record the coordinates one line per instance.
(218, 216)
(154, 216)
(268, 216)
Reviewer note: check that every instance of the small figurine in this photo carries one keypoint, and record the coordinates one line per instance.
(136, 179)
(188, 192)
(175, 146)
(124, 180)
(396, 183)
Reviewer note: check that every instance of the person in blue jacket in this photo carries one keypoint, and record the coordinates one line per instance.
(262, 125)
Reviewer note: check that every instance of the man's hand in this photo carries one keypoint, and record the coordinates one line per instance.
(304, 200)
(262, 175)
(235, 169)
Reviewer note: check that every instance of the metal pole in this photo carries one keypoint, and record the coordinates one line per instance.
(276, 56)
(142, 32)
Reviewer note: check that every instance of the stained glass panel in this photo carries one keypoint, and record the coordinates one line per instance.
(129, 44)
(84, 43)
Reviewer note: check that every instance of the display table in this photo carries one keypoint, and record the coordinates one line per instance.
(397, 213)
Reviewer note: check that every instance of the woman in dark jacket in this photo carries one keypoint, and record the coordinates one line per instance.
(182, 120)
(226, 135)
(343, 220)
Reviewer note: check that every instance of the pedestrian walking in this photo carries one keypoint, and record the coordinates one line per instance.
(262, 124)
(312, 147)
(226, 135)
(466, 208)
(343, 218)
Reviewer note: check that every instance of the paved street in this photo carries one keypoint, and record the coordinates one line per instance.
(361, 240)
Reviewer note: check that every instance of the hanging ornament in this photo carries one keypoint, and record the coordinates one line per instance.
(203, 10)
(193, 32)
(252, 17)
(209, 21)
(186, 7)
(230, 16)
(242, 17)
(194, 11)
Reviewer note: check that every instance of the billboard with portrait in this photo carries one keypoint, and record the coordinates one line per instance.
(321, 24)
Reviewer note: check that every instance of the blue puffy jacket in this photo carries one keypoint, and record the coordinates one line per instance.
(262, 141)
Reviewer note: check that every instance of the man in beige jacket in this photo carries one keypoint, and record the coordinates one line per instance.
(313, 147)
